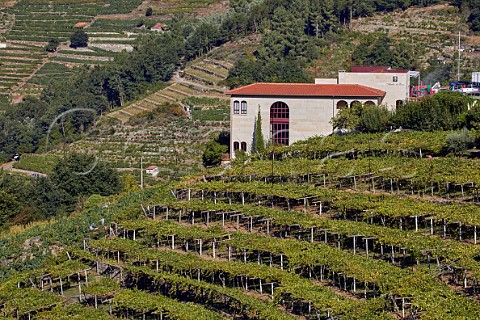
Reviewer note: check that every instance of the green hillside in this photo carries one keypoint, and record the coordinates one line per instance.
(378, 225)
(296, 238)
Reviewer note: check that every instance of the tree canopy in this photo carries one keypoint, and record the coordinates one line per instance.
(79, 39)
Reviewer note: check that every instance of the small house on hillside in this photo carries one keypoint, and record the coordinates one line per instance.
(159, 27)
(80, 24)
(153, 170)
(17, 99)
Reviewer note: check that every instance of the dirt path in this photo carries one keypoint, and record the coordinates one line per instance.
(26, 79)
(9, 167)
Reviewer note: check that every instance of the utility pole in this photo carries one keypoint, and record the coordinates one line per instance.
(141, 172)
(458, 70)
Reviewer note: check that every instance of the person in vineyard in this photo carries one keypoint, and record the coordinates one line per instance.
(93, 227)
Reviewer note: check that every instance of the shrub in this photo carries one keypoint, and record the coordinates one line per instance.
(459, 141)
(362, 118)
(213, 153)
(374, 119)
(52, 45)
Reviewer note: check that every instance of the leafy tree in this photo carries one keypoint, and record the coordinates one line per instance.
(79, 39)
(442, 111)
(245, 71)
(79, 175)
(129, 183)
(258, 141)
(52, 45)
(381, 50)
(213, 153)
(347, 118)
(474, 18)
(472, 118)
(9, 206)
(223, 138)
(202, 39)
(149, 12)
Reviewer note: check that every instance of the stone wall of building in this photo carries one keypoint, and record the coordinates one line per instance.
(308, 117)
(396, 91)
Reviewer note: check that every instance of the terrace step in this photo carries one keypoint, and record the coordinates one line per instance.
(213, 73)
(125, 113)
(165, 96)
(222, 64)
(197, 79)
(190, 87)
(142, 109)
(177, 91)
(155, 103)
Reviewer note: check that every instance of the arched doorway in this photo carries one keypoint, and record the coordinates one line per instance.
(369, 103)
(279, 123)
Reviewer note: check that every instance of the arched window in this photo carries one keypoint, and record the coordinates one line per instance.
(342, 104)
(236, 146)
(279, 123)
(244, 107)
(236, 107)
(244, 146)
(356, 102)
(369, 103)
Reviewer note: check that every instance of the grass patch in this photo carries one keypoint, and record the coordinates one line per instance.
(43, 163)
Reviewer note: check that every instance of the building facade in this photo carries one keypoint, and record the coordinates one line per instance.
(395, 83)
(291, 111)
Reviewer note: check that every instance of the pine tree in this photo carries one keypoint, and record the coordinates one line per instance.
(259, 143)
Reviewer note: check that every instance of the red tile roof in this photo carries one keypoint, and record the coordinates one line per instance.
(376, 69)
(80, 24)
(158, 26)
(306, 89)
(152, 167)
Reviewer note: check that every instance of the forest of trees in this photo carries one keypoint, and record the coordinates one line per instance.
(76, 176)
(472, 9)
(293, 31)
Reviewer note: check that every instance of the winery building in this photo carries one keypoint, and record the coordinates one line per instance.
(291, 111)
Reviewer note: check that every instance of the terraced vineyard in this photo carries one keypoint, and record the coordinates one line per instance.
(198, 8)
(199, 80)
(161, 135)
(167, 128)
(28, 25)
(239, 246)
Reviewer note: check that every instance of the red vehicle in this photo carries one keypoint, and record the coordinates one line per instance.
(424, 90)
